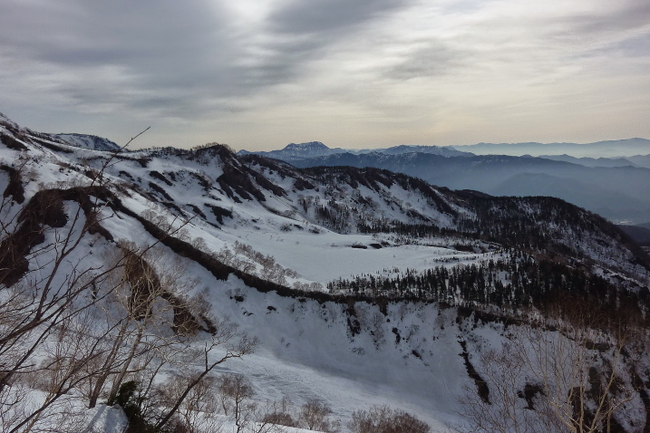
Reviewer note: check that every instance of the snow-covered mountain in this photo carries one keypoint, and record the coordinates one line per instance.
(618, 192)
(446, 151)
(88, 141)
(363, 287)
(297, 151)
(315, 149)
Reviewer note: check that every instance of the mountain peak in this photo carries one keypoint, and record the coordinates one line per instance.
(306, 147)
(298, 151)
(87, 141)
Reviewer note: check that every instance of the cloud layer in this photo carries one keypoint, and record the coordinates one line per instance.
(357, 73)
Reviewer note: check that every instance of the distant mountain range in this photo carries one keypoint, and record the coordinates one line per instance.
(603, 149)
(314, 149)
(616, 188)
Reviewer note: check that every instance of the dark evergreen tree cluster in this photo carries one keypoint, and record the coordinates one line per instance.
(512, 283)
(334, 216)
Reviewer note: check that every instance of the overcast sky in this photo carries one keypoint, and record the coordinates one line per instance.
(259, 74)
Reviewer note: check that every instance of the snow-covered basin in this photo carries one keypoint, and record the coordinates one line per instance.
(328, 256)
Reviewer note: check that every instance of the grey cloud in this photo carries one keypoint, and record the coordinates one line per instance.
(435, 59)
(306, 17)
(636, 46)
(602, 36)
(302, 31)
(465, 6)
(81, 32)
(283, 62)
(630, 15)
(176, 53)
(175, 50)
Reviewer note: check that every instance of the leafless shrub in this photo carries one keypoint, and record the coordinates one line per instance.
(315, 415)
(197, 413)
(383, 419)
(235, 393)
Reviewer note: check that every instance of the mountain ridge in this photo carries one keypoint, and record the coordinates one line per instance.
(314, 149)
(489, 173)
(87, 141)
(604, 148)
